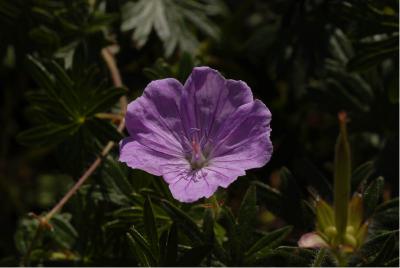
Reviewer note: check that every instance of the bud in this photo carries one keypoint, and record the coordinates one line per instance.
(324, 213)
(342, 175)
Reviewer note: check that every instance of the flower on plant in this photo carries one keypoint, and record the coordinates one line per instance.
(198, 136)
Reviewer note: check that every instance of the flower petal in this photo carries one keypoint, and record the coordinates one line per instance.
(139, 156)
(154, 119)
(244, 140)
(208, 99)
(188, 185)
(312, 240)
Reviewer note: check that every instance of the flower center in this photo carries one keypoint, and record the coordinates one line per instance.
(197, 160)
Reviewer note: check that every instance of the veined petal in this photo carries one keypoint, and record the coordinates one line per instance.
(154, 119)
(208, 98)
(188, 185)
(244, 139)
(137, 155)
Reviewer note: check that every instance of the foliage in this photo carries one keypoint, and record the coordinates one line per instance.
(307, 60)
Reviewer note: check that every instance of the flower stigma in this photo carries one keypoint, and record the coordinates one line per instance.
(197, 160)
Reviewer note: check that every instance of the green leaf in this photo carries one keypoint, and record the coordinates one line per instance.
(141, 245)
(386, 215)
(104, 131)
(25, 233)
(247, 216)
(47, 134)
(373, 246)
(361, 174)
(374, 53)
(268, 241)
(169, 246)
(63, 232)
(387, 252)
(117, 177)
(235, 250)
(169, 19)
(208, 226)
(150, 226)
(103, 100)
(372, 195)
(45, 80)
(172, 246)
(140, 255)
(184, 221)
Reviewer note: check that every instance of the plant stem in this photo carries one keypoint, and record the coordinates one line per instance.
(116, 117)
(117, 81)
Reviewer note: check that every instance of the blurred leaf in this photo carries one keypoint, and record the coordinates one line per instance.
(150, 226)
(169, 246)
(184, 221)
(142, 247)
(387, 252)
(266, 243)
(369, 251)
(372, 195)
(140, 255)
(372, 54)
(386, 215)
(314, 177)
(234, 245)
(169, 19)
(361, 174)
(25, 233)
(41, 135)
(63, 232)
(247, 216)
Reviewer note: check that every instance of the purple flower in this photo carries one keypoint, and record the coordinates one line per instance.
(198, 136)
